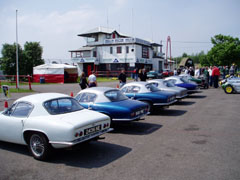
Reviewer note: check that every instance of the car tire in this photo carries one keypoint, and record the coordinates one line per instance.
(149, 105)
(39, 146)
(228, 89)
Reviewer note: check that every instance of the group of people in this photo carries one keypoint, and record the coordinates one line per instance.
(211, 74)
(137, 74)
(91, 82)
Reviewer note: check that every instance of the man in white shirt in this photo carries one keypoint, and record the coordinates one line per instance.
(92, 80)
(210, 76)
(197, 72)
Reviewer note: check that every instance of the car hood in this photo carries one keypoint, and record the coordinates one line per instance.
(83, 117)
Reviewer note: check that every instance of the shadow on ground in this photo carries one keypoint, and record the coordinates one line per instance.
(196, 96)
(185, 103)
(135, 128)
(95, 154)
(168, 112)
(86, 155)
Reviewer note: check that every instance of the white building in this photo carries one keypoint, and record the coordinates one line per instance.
(108, 50)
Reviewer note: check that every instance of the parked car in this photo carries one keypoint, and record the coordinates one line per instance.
(154, 75)
(112, 102)
(191, 78)
(231, 85)
(50, 120)
(182, 82)
(167, 73)
(166, 85)
(146, 92)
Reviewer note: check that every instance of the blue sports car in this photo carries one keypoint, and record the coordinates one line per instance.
(112, 102)
(182, 82)
(148, 93)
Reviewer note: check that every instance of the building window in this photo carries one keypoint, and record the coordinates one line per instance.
(119, 49)
(94, 53)
(127, 49)
(111, 50)
(113, 36)
(145, 52)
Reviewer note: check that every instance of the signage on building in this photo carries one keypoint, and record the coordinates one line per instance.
(126, 41)
(116, 61)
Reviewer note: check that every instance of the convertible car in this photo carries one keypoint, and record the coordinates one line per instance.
(182, 82)
(231, 85)
(50, 120)
(146, 92)
(112, 102)
(166, 85)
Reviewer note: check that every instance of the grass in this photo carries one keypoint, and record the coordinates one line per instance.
(14, 90)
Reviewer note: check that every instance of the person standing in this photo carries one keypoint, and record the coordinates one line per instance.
(175, 72)
(122, 78)
(210, 76)
(92, 80)
(197, 72)
(186, 70)
(215, 75)
(83, 81)
(143, 75)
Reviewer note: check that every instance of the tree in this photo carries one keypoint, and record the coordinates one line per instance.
(8, 60)
(32, 55)
(225, 51)
(28, 58)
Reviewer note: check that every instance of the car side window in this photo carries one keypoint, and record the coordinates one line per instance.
(173, 81)
(134, 89)
(87, 97)
(124, 90)
(21, 109)
(154, 84)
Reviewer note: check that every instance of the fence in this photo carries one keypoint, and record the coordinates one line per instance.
(11, 79)
(112, 73)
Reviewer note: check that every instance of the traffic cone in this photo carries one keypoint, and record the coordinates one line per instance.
(71, 94)
(5, 105)
(118, 86)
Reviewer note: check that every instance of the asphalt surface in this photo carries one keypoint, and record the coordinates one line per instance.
(196, 139)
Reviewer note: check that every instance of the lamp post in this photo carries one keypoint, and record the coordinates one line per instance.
(17, 76)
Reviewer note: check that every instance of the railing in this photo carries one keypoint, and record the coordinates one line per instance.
(112, 73)
(12, 80)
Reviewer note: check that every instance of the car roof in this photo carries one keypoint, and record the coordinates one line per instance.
(41, 97)
(141, 83)
(97, 89)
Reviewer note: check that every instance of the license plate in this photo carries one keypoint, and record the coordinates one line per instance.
(92, 130)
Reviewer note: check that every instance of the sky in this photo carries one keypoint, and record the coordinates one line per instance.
(56, 23)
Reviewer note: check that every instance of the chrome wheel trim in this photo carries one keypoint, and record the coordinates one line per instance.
(37, 145)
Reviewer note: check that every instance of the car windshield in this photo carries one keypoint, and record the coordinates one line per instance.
(168, 84)
(151, 88)
(184, 80)
(115, 95)
(62, 105)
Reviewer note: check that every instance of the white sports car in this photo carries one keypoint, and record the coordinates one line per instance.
(50, 120)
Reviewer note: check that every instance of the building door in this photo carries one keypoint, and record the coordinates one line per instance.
(89, 69)
(160, 66)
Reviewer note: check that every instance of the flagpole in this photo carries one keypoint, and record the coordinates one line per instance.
(17, 73)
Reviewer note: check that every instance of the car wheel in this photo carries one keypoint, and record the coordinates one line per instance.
(39, 146)
(149, 105)
(229, 89)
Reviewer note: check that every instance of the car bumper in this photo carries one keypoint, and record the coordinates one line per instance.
(141, 117)
(182, 96)
(165, 104)
(65, 144)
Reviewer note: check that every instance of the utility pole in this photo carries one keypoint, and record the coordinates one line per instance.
(17, 73)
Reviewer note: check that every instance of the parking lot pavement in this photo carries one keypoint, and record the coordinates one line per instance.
(196, 139)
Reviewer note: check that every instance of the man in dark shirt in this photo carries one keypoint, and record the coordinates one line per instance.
(122, 78)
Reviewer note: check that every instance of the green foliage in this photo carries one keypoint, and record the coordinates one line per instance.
(28, 58)
(225, 51)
